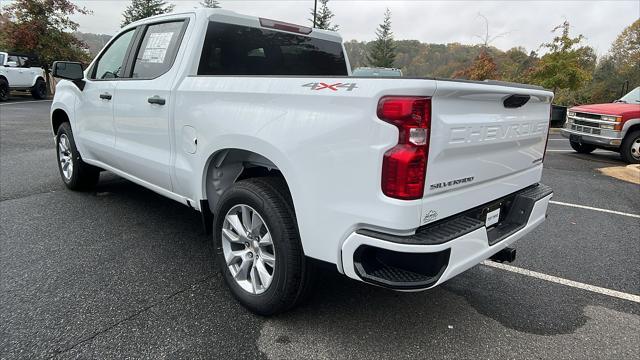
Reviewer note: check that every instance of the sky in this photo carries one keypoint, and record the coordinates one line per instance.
(518, 23)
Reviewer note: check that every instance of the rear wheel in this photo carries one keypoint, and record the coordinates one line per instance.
(75, 173)
(259, 250)
(4, 89)
(582, 148)
(630, 148)
(39, 90)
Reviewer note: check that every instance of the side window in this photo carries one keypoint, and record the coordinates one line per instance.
(158, 49)
(110, 65)
(24, 62)
(14, 59)
(1, 59)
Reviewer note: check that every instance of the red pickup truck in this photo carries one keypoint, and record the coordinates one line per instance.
(614, 126)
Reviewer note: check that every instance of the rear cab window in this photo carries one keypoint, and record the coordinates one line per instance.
(241, 50)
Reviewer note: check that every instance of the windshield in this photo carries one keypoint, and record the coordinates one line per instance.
(1, 59)
(633, 97)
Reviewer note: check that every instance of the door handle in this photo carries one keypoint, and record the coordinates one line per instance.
(156, 100)
(105, 96)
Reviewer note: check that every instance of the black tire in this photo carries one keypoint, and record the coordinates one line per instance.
(292, 271)
(630, 148)
(582, 148)
(39, 90)
(4, 89)
(82, 175)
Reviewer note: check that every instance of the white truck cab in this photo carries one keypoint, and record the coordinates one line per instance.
(258, 125)
(21, 72)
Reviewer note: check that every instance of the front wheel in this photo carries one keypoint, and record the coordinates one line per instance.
(39, 90)
(582, 148)
(630, 148)
(259, 250)
(4, 90)
(75, 173)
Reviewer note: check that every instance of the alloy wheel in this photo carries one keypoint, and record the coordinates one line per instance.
(248, 249)
(65, 157)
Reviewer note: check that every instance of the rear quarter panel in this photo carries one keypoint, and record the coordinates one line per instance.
(327, 143)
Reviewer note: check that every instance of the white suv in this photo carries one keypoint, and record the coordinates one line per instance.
(21, 72)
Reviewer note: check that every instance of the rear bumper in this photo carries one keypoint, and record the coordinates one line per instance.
(612, 141)
(440, 251)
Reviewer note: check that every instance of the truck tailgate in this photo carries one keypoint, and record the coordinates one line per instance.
(478, 144)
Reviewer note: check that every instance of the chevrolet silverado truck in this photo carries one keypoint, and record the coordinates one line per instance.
(258, 125)
(614, 126)
(21, 72)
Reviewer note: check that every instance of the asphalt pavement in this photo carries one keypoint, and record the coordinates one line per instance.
(122, 272)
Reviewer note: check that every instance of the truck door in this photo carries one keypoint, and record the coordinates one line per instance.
(94, 131)
(143, 107)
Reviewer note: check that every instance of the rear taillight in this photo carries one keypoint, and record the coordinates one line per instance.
(404, 166)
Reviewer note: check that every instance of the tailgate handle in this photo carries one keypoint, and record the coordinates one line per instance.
(516, 101)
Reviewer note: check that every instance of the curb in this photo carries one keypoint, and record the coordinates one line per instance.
(554, 131)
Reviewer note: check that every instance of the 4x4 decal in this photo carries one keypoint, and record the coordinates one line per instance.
(332, 87)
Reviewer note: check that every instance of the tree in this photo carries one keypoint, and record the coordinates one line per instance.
(482, 68)
(565, 66)
(625, 54)
(323, 17)
(43, 28)
(213, 4)
(140, 9)
(382, 52)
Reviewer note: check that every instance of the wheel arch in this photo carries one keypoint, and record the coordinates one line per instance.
(227, 166)
(630, 125)
(58, 117)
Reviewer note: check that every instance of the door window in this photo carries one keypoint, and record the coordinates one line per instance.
(111, 63)
(158, 49)
(14, 59)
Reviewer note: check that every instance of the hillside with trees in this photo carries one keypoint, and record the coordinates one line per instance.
(565, 64)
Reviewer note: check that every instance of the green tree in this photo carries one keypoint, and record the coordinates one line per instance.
(140, 9)
(565, 67)
(625, 54)
(324, 17)
(43, 28)
(213, 4)
(382, 52)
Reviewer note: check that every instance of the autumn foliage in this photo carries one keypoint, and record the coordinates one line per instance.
(43, 28)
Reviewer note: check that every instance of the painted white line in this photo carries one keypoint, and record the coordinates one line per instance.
(596, 152)
(595, 209)
(561, 281)
(23, 102)
(563, 139)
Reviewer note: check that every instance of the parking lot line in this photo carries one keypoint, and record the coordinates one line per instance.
(23, 102)
(570, 150)
(561, 281)
(595, 209)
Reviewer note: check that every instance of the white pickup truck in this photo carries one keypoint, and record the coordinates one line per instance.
(256, 123)
(21, 72)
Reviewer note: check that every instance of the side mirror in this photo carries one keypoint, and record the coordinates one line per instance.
(68, 70)
(11, 64)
